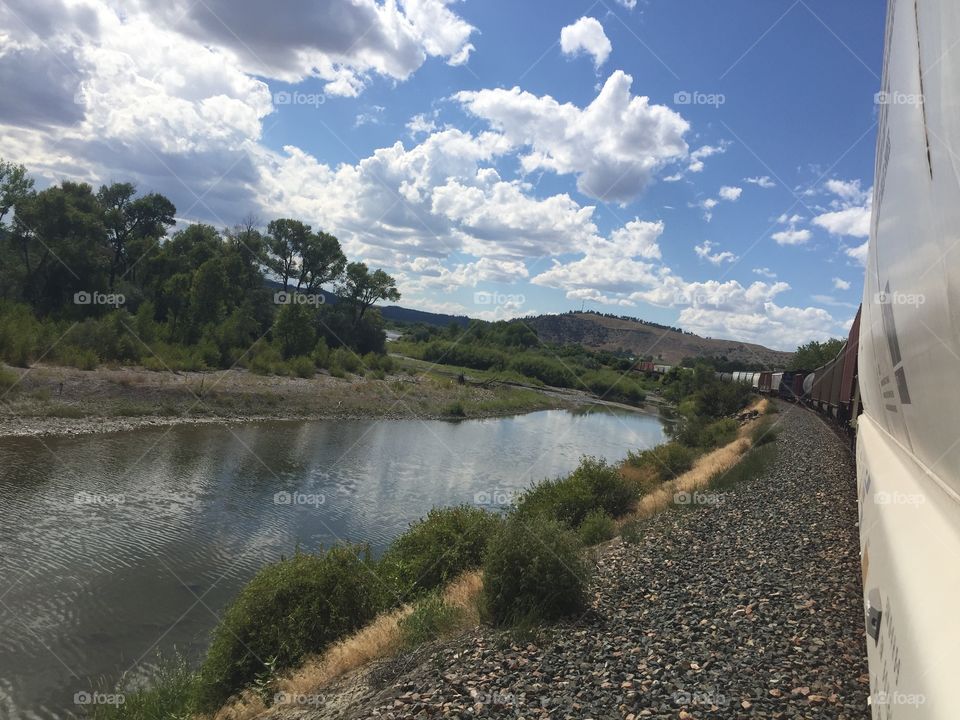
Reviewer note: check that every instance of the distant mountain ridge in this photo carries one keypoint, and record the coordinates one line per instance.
(670, 345)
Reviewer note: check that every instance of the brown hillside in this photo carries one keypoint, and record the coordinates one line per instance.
(670, 346)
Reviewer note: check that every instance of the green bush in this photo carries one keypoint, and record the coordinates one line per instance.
(171, 696)
(615, 386)
(431, 618)
(288, 610)
(345, 359)
(667, 461)
(8, 378)
(438, 548)
(720, 432)
(301, 366)
(597, 527)
(697, 432)
(20, 334)
(594, 485)
(464, 354)
(455, 409)
(78, 358)
(609, 490)
(533, 572)
(321, 354)
(552, 372)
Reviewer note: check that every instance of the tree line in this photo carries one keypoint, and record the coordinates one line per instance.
(73, 254)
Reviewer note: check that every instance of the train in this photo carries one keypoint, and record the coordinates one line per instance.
(892, 385)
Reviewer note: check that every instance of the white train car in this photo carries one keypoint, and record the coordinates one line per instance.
(908, 437)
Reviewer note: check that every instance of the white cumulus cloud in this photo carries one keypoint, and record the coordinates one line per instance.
(615, 146)
(586, 35)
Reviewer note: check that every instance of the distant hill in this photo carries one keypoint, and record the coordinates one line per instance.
(406, 315)
(671, 345)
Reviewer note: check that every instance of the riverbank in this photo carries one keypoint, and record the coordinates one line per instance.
(745, 605)
(54, 400)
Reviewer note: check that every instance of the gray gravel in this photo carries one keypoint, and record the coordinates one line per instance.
(746, 608)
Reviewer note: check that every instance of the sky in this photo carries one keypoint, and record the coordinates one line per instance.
(701, 164)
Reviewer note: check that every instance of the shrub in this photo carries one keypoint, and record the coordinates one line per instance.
(301, 367)
(697, 432)
(321, 354)
(79, 358)
(345, 359)
(609, 490)
(438, 548)
(288, 610)
(337, 371)
(19, 334)
(597, 527)
(550, 371)
(614, 386)
(464, 354)
(8, 378)
(455, 409)
(171, 695)
(431, 618)
(533, 572)
(667, 461)
(594, 485)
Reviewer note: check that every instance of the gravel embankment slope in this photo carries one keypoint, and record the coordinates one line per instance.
(749, 608)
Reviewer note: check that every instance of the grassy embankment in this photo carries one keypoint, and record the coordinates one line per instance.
(304, 622)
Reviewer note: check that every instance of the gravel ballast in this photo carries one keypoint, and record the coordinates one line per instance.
(744, 605)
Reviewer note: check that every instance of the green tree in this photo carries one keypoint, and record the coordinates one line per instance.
(283, 245)
(294, 331)
(321, 261)
(134, 225)
(360, 289)
(59, 238)
(814, 354)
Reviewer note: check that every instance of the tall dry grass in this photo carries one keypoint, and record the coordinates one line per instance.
(380, 639)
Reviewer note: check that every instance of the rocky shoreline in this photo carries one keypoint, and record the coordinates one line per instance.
(745, 605)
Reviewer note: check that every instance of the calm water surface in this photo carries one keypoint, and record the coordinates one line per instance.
(114, 548)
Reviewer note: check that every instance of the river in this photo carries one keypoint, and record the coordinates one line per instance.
(117, 547)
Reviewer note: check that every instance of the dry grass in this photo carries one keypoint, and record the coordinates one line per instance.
(705, 469)
(380, 639)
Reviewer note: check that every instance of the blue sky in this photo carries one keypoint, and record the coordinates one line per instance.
(697, 163)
